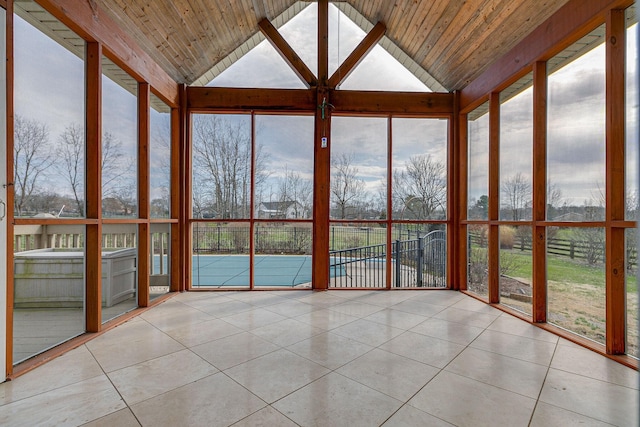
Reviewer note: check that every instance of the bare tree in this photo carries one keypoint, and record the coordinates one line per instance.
(516, 192)
(346, 188)
(421, 187)
(71, 162)
(31, 157)
(222, 164)
(292, 187)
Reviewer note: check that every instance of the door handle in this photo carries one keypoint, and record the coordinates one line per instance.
(4, 209)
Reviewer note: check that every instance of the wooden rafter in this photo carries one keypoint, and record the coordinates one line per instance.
(358, 54)
(287, 53)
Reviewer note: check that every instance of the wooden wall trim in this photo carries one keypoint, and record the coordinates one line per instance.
(144, 207)
(494, 198)
(10, 191)
(96, 25)
(568, 24)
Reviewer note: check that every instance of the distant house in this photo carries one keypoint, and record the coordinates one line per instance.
(281, 210)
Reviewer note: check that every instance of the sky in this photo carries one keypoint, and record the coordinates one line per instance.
(576, 144)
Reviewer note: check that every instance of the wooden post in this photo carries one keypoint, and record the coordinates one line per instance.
(93, 250)
(615, 183)
(494, 198)
(144, 206)
(539, 242)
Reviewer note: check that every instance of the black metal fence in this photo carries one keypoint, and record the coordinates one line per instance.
(419, 262)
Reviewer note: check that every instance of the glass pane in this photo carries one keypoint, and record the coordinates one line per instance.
(419, 254)
(631, 111)
(221, 183)
(358, 168)
(49, 136)
(119, 142)
(119, 269)
(515, 268)
(283, 255)
(160, 157)
(576, 281)
(220, 254)
(478, 168)
(301, 32)
(478, 260)
(160, 258)
(419, 169)
(49, 287)
(576, 131)
(284, 167)
(516, 150)
(357, 255)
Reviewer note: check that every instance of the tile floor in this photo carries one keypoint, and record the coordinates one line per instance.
(339, 358)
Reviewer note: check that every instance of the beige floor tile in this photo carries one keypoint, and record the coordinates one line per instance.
(334, 400)
(326, 319)
(465, 402)
(130, 344)
(472, 304)
(234, 350)
(259, 299)
(388, 373)
(582, 361)
(408, 416)
(440, 297)
(194, 334)
(276, 374)
(226, 308)
(330, 350)
(356, 309)
(510, 325)
(153, 377)
(448, 331)
(386, 299)
(174, 314)
(528, 349)
(547, 415)
(323, 299)
(72, 367)
(287, 332)
(596, 399)
(420, 308)
(511, 374)
(396, 318)
(267, 417)
(466, 317)
(121, 418)
(253, 319)
(291, 308)
(366, 332)
(71, 405)
(429, 350)
(212, 401)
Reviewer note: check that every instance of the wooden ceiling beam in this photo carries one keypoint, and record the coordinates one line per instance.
(287, 53)
(401, 103)
(241, 99)
(92, 24)
(358, 54)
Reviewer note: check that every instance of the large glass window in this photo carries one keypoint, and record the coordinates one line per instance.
(119, 269)
(576, 131)
(516, 150)
(49, 151)
(119, 142)
(160, 158)
(631, 112)
(478, 163)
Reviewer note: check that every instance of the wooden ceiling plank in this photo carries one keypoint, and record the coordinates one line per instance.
(443, 13)
(287, 53)
(357, 55)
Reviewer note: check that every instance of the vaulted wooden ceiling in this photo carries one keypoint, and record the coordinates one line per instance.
(452, 40)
